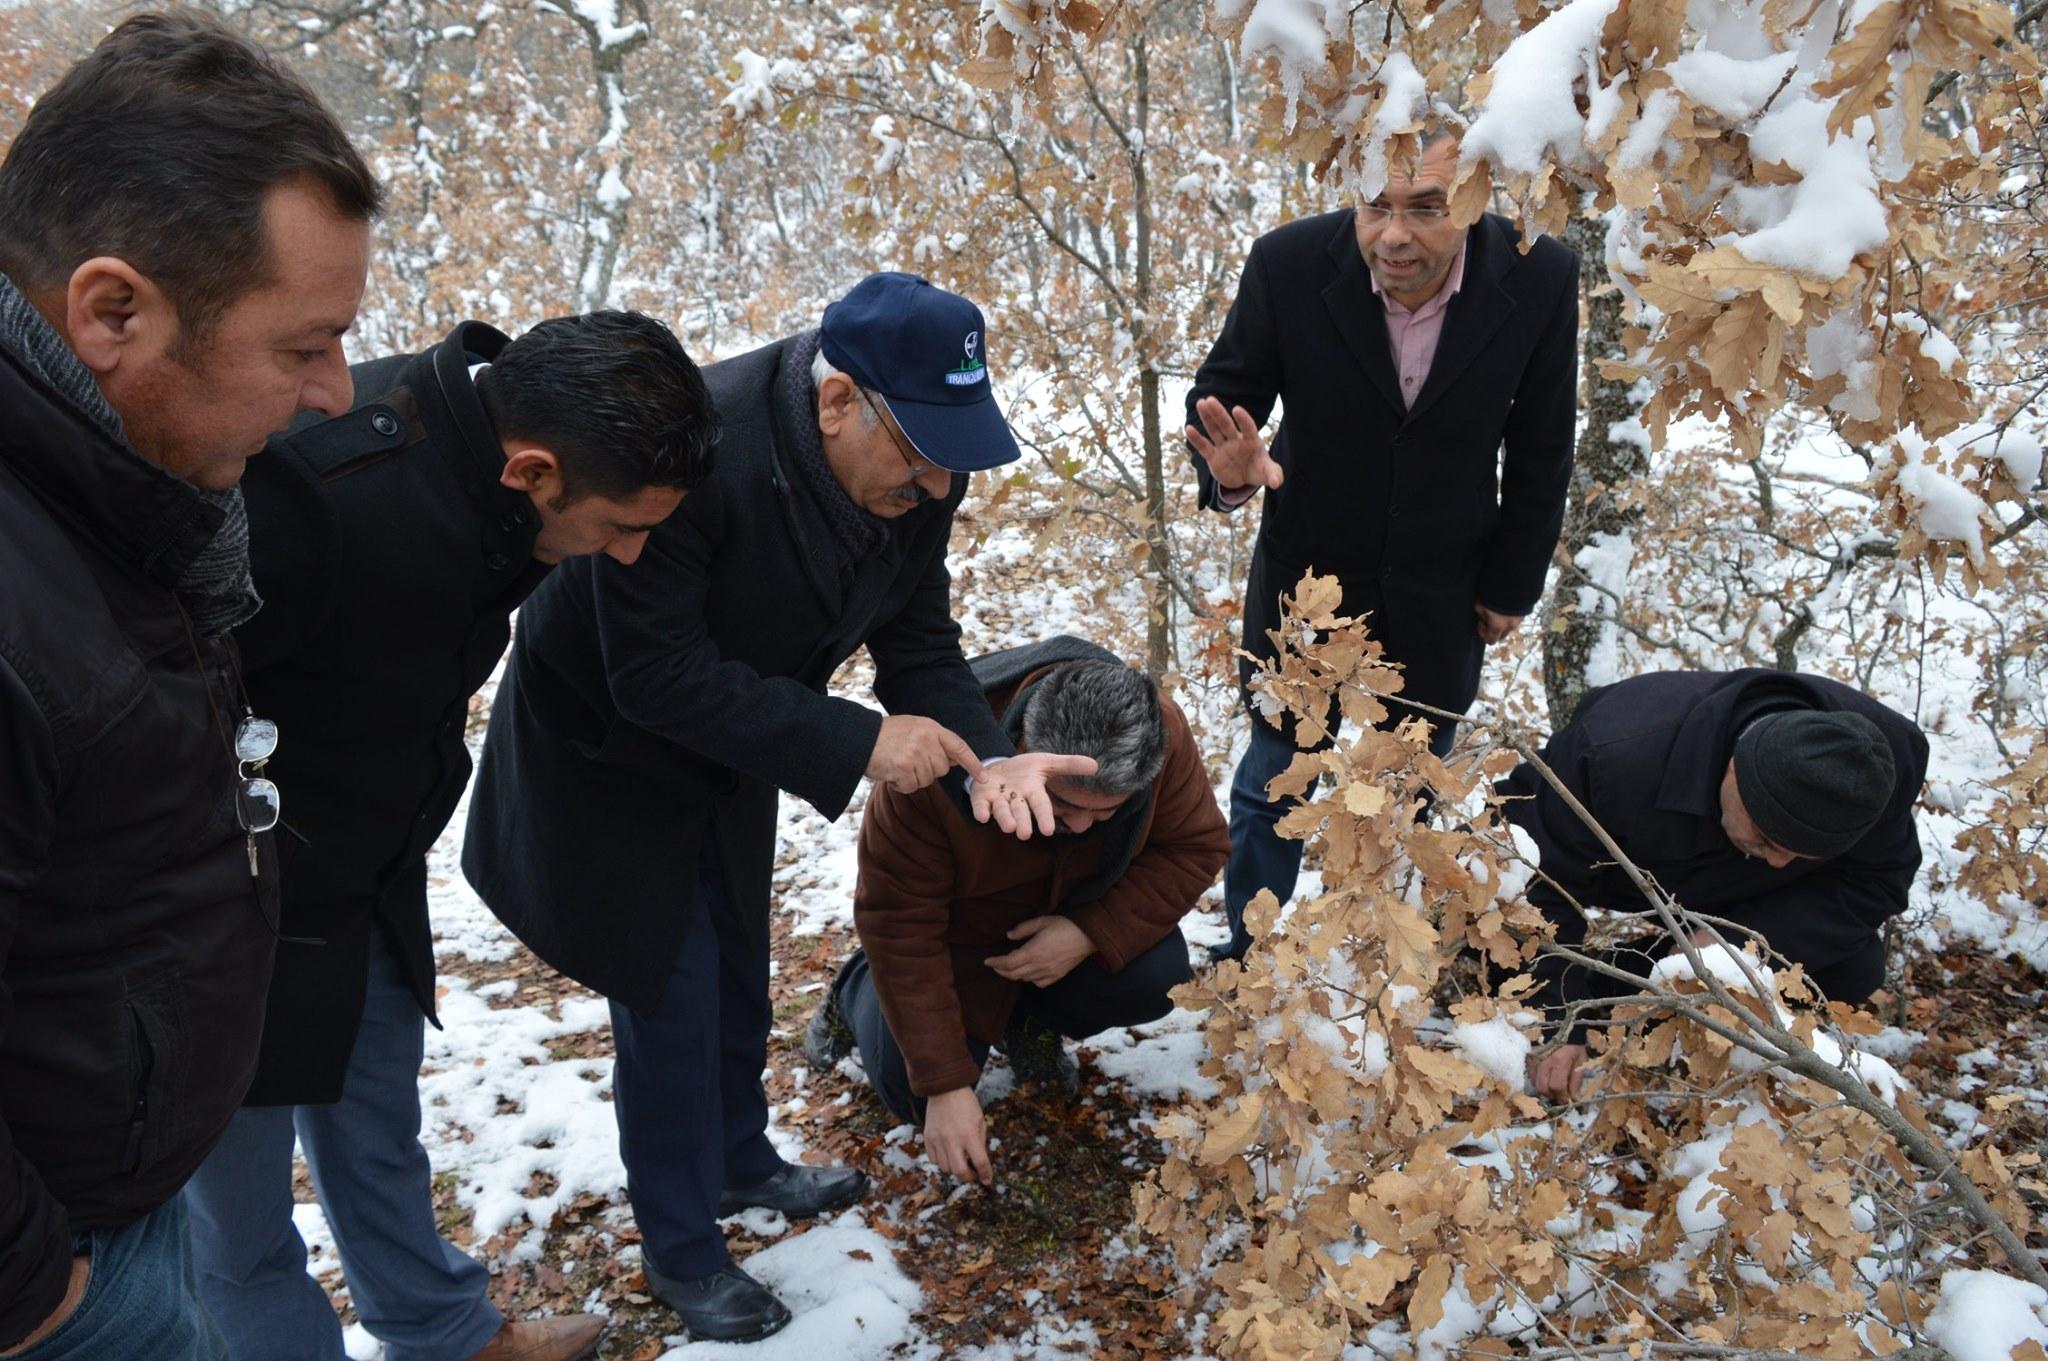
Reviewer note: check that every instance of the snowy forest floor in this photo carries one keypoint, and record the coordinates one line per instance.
(1042, 1264)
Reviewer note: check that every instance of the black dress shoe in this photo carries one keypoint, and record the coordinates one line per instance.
(727, 1306)
(799, 1191)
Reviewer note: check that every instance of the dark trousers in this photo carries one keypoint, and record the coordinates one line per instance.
(686, 1090)
(1088, 1001)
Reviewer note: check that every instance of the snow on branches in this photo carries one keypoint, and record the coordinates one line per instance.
(1736, 1177)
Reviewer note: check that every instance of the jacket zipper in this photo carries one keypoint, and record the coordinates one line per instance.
(131, 1156)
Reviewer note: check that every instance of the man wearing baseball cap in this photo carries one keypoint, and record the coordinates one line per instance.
(623, 819)
(1782, 803)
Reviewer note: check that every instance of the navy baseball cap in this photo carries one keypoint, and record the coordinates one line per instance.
(921, 350)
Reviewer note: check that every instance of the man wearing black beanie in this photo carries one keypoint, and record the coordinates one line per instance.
(1780, 802)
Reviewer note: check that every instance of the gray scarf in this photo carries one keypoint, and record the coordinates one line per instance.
(216, 587)
(855, 533)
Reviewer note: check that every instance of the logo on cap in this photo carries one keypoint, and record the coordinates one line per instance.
(971, 369)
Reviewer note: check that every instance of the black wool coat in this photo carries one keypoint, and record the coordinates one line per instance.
(1418, 512)
(134, 943)
(648, 707)
(390, 561)
(1646, 757)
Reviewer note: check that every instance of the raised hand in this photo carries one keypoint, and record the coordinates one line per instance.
(1229, 442)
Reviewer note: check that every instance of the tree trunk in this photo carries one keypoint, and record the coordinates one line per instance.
(1579, 619)
(1158, 590)
(1158, 587)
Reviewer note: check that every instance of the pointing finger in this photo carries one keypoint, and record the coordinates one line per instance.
(958, 752)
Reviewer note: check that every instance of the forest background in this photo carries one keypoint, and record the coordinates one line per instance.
(1816, 273)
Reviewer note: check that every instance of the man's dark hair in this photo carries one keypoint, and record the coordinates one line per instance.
(158, 149)
(1105, 710)
(611, 395)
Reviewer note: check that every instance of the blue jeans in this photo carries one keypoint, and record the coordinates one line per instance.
(686, 1089)
(1259, 856)
(139, 1303)
(422, 1296)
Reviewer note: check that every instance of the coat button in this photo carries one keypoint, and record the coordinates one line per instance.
(497, 562)
(385, 424)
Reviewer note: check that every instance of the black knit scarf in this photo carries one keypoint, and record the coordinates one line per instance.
(856, 534)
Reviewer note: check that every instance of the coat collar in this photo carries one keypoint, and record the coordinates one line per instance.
(1478, 310)
(448, 365)
(132, 510)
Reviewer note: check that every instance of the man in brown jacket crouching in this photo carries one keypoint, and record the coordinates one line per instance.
(972, 938)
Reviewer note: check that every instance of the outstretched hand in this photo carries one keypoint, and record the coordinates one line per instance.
(1229, 442)
(1013, 791)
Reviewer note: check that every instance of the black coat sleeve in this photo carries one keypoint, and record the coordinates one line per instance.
(667, 675)
(1243, 367)
(1536, 464)
(35, 1233)
(920, 669)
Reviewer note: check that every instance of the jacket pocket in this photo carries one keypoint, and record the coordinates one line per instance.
(155, 1074)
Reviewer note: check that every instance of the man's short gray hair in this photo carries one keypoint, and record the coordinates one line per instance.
(821, 369)
(1105, 710)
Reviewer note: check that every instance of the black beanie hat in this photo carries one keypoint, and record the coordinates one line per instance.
(1813, 781)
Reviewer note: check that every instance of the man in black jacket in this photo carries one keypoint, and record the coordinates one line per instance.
(1780, 802)
(184, 238)
(623, 821)
(1428, 376)
(392, 545)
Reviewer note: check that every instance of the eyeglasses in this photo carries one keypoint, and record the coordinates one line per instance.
(1379, 214)
(915, 468)
(257, 802)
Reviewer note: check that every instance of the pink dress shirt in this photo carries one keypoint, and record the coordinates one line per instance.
(1412, 336)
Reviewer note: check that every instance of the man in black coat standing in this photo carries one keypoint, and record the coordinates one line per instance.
(1428, 376)
(623, 823)
(184, 235)
(393, 544)
(1780, 802)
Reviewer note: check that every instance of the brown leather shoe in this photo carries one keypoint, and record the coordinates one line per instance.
(545, 1339)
